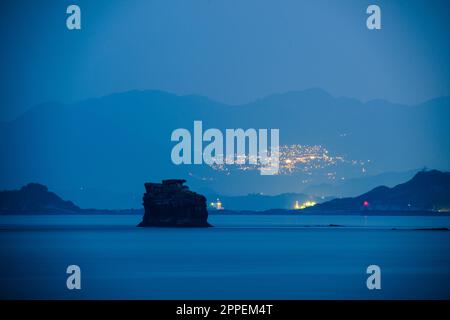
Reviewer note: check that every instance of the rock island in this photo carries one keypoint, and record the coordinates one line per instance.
(172, 204)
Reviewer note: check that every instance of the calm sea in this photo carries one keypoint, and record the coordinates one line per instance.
(242, 257)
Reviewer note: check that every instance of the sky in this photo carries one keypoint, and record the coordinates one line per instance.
(230, 51)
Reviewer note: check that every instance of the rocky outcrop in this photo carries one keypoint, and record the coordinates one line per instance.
(172, 204)
(34, 198)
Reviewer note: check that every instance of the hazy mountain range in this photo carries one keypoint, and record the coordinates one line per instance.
(99, 152)
(426, 192)
(261, 202)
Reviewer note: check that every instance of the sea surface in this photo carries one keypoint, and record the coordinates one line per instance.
(241, 257)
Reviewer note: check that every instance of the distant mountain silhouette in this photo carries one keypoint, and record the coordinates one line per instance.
(34, 198)
(261, 202)
(426, 191)
(98, 151)
(356, 186)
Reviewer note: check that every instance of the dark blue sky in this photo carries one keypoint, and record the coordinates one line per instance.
(230, 51)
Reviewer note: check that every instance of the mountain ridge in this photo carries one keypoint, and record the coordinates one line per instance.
(318, 91)
(426, 191)
(34, 197)
(118, 140)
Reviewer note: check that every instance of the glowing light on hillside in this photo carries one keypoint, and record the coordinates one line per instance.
(306, 204)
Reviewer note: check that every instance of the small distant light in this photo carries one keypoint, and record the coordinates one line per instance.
(366, 203)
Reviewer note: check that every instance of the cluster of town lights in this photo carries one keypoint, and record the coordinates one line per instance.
(306, 204)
